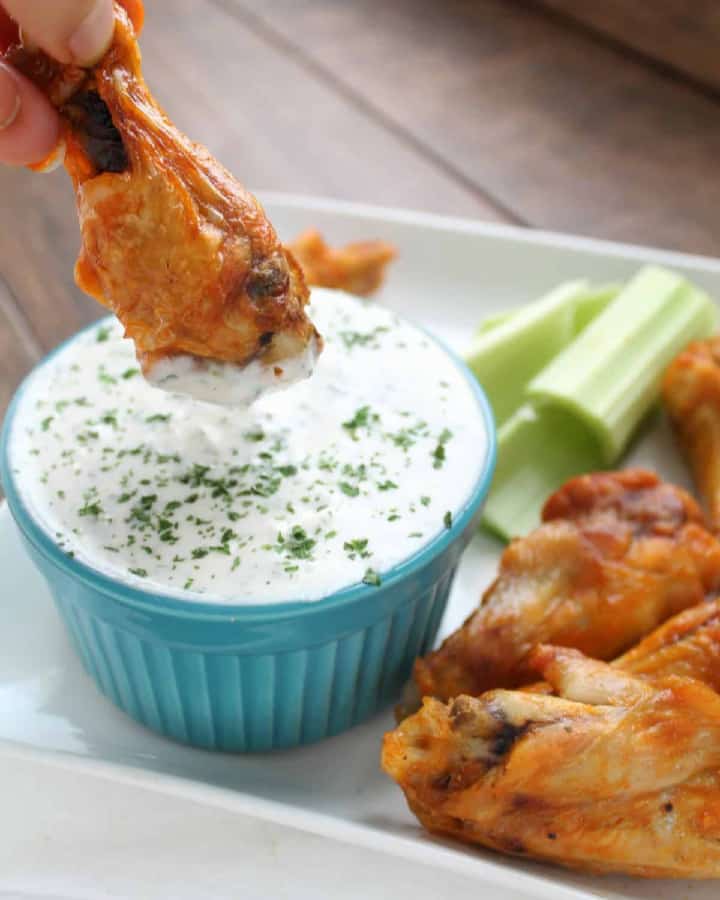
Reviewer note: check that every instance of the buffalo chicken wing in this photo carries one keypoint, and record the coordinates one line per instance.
(171, 242)
(617, 554)
(619, 771)
(691, 391)
(358, 268)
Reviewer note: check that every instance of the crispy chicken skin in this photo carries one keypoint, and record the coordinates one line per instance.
(688, 644)
(358, 268)
(617, 554)
(691, 392)
(177, 248)
(619, 772)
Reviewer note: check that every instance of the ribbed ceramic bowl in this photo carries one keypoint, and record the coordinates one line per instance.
(260, 677)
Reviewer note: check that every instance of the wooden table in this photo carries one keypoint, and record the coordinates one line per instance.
(494, 109)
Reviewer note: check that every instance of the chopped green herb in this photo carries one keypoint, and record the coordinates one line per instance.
(130, 373)
(349, 489)
(372, 578)
(448, 519)
(141, 573)
(91, 509)
(159, 417)
(425, 501)
(387, 486)
(45, 424)
(357, 547)
(297, 544)
(359, 339)
(438, 453)
(363, 418)
(102, 334)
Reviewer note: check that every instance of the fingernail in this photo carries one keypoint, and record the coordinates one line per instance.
(92, 37)
(9, 98)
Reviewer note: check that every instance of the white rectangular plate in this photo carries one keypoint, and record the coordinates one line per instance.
(450, 273)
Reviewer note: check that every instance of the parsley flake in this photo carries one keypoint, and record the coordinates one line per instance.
(372, 578)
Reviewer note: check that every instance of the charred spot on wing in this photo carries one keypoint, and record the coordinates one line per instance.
(506, 733)
(102, 141)
(267, 279)
(506, 737)
(462, 712)
(266, 338)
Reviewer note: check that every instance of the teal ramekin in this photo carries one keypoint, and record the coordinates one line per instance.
(245, 678)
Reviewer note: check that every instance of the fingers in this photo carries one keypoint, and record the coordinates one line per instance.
(29, 126)
(72, 31)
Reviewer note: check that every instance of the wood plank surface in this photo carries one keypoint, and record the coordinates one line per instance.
(19, 349)
(481, 108)
(684, 34)
(271, 122)
(556, 126)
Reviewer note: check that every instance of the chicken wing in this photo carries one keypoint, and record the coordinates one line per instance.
(177, 248)
(358, 268)
(619, 773)
(617, 554)
(691, 391)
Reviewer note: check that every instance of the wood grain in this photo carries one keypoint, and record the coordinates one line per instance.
(470, 107)
(684, 34)
(556, 126)
(19, 348)
(268, 119)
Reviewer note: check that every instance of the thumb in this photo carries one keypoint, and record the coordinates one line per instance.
(72, 31)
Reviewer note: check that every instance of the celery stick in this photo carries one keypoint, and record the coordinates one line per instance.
(495, 319)
(610, 375)
(593, 303)
(505, 358)
(537, 451)
(587, 306)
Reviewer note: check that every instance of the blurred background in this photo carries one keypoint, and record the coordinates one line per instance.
(596, 118)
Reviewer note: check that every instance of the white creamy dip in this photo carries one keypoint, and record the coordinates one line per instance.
(324, 485)
(226, 383)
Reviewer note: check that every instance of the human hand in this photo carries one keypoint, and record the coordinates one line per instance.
(71, 31)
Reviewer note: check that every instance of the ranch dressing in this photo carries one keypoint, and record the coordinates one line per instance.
(324, 485)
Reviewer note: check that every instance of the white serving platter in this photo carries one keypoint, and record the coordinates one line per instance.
(317, 802)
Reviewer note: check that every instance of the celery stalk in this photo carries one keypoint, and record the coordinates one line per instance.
(593, 303)
(609, 376)
(495, 319)
(586, 307)
(505, 358)
(537, 451)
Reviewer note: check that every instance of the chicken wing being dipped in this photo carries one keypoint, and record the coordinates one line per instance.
(617, 554)
(618, 773)
(177, 248)
(691, 391)
(358, 268)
